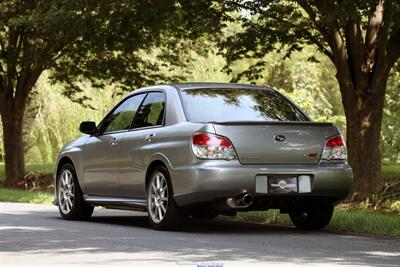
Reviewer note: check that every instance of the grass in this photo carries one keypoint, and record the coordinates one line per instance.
(354, 221)
(11, 195)
(391, 173)
(366, 222)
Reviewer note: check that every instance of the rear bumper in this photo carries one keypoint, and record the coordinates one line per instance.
(207, 181)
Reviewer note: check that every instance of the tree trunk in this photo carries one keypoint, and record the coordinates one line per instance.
(364, 111)
(13, 147)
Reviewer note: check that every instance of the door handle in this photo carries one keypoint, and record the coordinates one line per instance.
(149, 137)
(114, 141)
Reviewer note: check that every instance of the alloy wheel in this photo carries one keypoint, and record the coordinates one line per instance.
(66, 191)
(158, 197)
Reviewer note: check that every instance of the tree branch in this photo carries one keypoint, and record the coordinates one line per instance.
(25, 85)
(330, 30)
(332, 34)
(30, 70)
(382, 67)
(320, 46)
(12, 57)
(308, 9)
(372, 36)
(355, 50)
(313, 17)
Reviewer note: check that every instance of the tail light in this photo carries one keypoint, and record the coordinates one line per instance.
(335, 148)
(211, 146)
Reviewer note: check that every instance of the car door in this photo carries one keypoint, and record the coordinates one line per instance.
(102, 153)
(139, 144)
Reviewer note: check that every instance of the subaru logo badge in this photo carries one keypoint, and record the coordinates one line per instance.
(279, 138)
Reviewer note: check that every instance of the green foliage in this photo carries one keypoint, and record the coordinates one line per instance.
(391, 173)
(310, 84)
(389, 202)
(267, 26)
(102, 41)
(56, 120)
(390, 145)
(203, 63)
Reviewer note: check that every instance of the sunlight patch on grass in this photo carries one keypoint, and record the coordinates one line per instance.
(12, 195)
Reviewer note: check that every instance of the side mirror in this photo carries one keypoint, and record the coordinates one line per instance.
(88, 127)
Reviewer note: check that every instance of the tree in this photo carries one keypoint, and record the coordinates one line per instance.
(360, 37)
(102, 41)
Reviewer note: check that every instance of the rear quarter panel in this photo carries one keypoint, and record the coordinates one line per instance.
(171, 146)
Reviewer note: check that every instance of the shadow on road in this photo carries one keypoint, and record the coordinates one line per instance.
(217, 226)
(129, 234)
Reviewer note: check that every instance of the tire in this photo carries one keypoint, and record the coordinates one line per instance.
(69, 195)
(163, 212)
(311, 218)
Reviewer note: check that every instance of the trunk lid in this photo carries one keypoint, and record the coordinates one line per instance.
(277, 142)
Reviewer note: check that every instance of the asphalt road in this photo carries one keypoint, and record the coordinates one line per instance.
(35, 235)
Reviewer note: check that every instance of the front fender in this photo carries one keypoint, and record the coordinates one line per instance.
(71, 152)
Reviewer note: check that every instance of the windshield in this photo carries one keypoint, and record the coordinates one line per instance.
(206, 105)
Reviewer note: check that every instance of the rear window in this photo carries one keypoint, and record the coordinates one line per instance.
(205, 105)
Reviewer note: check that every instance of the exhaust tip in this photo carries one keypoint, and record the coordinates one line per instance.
(241, 201)
(247, 199)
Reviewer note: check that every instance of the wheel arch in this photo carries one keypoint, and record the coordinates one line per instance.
(64, 160)
(61, 162)
(155, 163)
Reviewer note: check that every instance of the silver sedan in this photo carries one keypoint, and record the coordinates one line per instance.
(203, 149)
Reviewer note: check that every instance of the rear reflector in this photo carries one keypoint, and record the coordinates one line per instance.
(304, 184)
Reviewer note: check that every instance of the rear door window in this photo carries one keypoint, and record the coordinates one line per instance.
(151, 112)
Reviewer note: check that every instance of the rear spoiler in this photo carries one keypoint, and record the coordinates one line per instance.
(302, 123)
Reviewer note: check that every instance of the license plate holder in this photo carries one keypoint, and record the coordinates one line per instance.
(282, 184)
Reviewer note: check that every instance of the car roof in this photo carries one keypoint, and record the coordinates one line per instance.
(200, 85)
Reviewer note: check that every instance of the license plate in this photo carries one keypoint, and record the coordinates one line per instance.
(283, 184)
